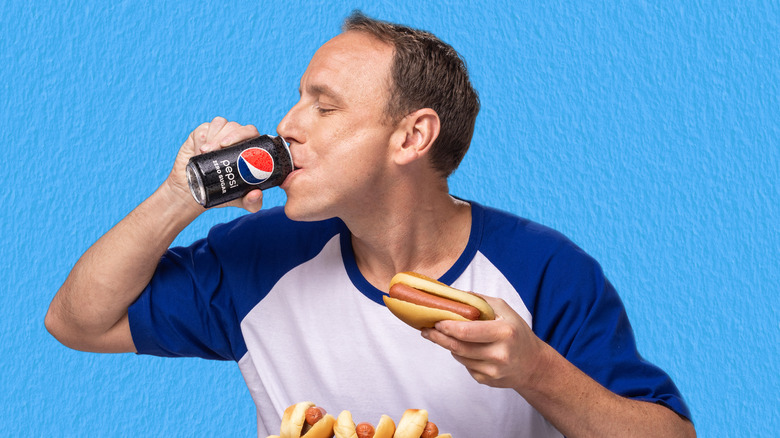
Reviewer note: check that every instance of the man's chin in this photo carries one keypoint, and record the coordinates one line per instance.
(299, 214)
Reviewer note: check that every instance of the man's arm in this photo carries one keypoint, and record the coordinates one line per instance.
(506, 353)
(89, 312)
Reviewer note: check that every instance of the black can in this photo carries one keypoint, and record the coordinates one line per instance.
(223, 175)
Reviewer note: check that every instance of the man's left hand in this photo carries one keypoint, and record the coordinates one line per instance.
(503, 353)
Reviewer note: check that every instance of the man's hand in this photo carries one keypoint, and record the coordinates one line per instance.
(506, 353)
(89, 312)
(218, 133)
(502, 353)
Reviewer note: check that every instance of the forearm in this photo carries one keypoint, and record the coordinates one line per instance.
(578, 406)
(114, 271)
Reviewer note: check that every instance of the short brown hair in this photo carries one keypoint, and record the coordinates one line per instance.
(427, 73)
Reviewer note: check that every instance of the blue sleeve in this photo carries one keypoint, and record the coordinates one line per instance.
(198, 296)
(580, 314)
(183, 311)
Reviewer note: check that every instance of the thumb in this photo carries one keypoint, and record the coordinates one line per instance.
(253, 201)
(500, 307)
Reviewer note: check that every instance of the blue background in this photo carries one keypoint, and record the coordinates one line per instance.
(647, 132)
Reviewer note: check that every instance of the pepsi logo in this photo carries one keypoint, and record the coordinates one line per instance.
(255, 165)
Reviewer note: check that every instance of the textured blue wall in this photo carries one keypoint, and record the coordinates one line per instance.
(647, 132)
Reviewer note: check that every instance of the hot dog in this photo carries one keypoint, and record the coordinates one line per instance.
(345, 427)
(305, 420)
(414, 424)
(421, 301)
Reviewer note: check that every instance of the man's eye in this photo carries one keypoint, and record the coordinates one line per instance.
(324, 110)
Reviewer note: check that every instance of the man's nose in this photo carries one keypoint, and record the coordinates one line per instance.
(290, 128)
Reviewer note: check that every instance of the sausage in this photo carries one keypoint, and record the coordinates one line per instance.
(430, 431)
(314, 414)
(365, 430)
(412, 295)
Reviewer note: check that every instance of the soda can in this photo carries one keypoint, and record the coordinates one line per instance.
(226, 174)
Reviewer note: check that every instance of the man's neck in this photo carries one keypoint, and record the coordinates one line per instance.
(424, 235)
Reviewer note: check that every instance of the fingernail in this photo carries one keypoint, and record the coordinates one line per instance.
(205, 148)
(226, 141)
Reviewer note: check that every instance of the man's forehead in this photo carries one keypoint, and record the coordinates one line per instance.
(347, 60)
(352, 42)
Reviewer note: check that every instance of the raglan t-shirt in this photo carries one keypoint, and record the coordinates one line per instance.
(287, 302)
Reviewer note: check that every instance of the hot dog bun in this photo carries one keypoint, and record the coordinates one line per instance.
(322, 429)
(294, 418)
(420, 316)
(385, 428)
(414, 424)
(345, 427)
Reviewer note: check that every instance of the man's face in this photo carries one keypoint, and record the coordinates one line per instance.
(336, 132)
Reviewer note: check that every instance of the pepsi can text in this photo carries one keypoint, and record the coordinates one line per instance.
(226, 174)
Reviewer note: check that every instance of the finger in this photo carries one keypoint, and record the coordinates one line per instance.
(234, 133)
(215, 127)
(474, 366)
(197, 137)
(475, 331)
(500, 307)
(456, 346)
(487, 363)
(484, 378)
(252, 202)
(488, 372)
(226, 130)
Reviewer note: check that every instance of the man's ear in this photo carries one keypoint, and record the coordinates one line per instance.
(415, 135)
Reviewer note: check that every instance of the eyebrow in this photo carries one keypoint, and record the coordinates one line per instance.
(324, 90)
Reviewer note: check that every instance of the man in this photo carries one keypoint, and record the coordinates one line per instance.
(385, 115)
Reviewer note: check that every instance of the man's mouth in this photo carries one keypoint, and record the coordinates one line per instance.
(289, 176)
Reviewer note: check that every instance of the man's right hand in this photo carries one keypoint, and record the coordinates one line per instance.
(89, 312)
(218, 133)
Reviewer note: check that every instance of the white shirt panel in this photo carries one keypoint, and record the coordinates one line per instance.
(339, 349)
